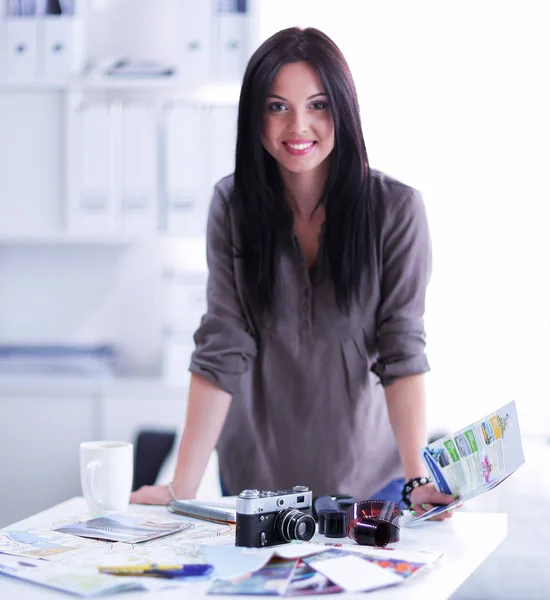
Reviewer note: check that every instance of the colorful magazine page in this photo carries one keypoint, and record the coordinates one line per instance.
(403, 568)
(475, 459)
(309, 582)
(270, 580)
(123, 528)
(351, 572)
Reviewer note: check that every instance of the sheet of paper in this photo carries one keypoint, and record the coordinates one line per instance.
(232, 561)
(354, 574)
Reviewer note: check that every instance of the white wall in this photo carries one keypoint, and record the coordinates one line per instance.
(454, 100)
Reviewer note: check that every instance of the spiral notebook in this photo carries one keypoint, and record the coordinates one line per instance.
(123, 528)
(208, 511)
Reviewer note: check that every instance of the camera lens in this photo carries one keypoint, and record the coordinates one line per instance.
(292, 524)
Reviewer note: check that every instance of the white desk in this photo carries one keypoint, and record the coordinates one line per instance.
(466, 541)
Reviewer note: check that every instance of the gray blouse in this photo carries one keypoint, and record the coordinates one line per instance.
(308, 402)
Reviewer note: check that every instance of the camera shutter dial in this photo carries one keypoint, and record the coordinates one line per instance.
(249, 494)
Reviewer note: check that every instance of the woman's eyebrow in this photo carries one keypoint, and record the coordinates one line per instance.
(308, 98)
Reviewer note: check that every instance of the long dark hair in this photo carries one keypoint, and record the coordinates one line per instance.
(262, 217)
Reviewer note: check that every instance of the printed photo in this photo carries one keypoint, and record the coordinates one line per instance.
(307, 582)
(440, 456)
(488, 433)
(462, 445)
(271, 580)
(486, 469)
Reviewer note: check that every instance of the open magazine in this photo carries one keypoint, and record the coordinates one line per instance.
(475, 459)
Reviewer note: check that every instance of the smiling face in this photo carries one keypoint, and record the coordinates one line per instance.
(297, 124)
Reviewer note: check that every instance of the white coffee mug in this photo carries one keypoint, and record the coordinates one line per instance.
(106, 475)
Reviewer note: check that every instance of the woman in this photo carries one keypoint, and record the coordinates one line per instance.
(309, 362)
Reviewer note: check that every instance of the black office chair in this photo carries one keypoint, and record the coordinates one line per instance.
(150, 449)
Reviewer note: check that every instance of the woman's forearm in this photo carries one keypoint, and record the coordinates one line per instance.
(207, 410)
(407, 412)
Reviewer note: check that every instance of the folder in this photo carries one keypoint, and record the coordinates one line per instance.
(231, 45)
(21, 48)
(61, 46)
(92, 210)
(194, 40)
(184, 205)
(139, 170)
(3, 46)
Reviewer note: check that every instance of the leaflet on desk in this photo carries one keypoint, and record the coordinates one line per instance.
(84, 581)
(476, 458)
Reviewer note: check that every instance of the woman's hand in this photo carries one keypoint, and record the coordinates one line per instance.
(151, 494)
(425, 497)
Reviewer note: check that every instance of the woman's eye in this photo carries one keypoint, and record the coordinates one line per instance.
(277, 107)
(319, 105)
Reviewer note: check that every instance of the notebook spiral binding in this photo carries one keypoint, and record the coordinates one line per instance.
(198, 511)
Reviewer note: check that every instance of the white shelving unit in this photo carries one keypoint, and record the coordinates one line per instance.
(59, 286)
(207, 51)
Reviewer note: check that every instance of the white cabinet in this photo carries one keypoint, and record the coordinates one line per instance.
(40, 433)
(39, 445)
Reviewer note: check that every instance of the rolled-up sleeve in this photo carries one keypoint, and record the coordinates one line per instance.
(224, 347)
(406, 268)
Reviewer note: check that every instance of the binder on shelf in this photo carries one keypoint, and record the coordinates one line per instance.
(3, 46)
(184, 206)
(194, 35)
(61, 46)
(231, 40)
(21, 48)
(93, 210)
(139, 170)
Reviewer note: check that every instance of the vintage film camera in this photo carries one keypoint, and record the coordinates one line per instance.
(270, 518)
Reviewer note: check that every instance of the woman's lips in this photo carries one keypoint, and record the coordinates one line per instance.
(299, 147)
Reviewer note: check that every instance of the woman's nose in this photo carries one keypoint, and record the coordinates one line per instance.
(299, 124)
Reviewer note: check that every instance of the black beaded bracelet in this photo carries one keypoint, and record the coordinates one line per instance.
(410, 486)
